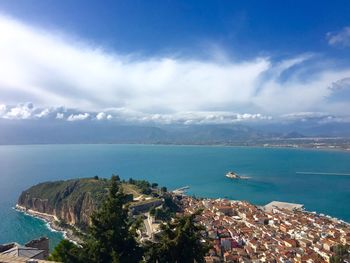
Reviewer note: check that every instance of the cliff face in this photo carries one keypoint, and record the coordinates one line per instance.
(71, 201)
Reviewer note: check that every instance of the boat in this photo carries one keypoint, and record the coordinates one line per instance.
(232, 175)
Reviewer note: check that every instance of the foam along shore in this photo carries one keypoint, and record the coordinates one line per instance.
(298, 207)
(51, 223)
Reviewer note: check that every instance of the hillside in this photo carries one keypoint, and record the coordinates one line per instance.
(71, 201)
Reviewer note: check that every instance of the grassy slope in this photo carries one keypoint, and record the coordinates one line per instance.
(71, 190)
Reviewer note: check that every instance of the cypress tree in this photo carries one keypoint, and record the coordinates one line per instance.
(109, 238)
(66, 252)
(180, 241)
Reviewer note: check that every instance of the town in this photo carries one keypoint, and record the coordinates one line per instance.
(277, 232)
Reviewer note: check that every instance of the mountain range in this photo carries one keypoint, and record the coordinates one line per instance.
(58, 132)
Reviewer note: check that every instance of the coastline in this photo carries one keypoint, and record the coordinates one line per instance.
(259, 146)
(68, 233)
(303, 210)
(51, 224)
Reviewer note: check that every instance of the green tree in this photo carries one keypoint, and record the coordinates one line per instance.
(342, 253)
(66, 252)
(152, 211)
(109, 238)
(180, 241)
(117, 177)
(131, 181)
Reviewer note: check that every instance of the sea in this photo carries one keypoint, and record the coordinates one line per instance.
(318, 179)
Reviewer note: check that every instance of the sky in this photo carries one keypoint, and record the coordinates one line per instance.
(175, 61)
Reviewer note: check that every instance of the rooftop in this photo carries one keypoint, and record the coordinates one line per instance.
(14, 259)
(19, 251)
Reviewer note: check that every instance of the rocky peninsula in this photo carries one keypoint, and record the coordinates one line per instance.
(71, 202)
(67, 206)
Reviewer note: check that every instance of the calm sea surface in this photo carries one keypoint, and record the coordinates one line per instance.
(274, 175)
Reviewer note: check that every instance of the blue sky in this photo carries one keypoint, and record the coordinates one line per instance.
(243, 28)
(175, 60)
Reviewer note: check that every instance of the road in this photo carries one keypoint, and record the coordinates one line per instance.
(148, 225)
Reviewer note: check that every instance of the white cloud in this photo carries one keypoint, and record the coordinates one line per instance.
(257, 116)
(78, 117)
(52, 69)
(201, 117)
(340, 84)
(303, 116)
(44, 113)
(3, 109)
(103, 116)
(122, 115)
(29, 111)
(340, 38)
(59, 116)
(21, 111)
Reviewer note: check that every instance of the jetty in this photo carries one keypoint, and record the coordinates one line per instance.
(282, 205)
(181, 190)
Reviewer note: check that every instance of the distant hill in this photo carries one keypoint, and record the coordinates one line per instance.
(40, 132)
(64, 132)
(293, 135)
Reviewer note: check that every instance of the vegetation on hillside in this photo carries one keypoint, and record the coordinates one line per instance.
(66, 252)
(83, 196)
(111, 237)
(167, 211)
(69, 191)
(179, 241)
(342, 254)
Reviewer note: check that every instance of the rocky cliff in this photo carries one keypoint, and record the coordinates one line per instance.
(71, 201)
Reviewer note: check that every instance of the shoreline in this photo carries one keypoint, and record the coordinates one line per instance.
(302, 210)
(68, 235)
(50, 221)
(260, 146)
(320, 214)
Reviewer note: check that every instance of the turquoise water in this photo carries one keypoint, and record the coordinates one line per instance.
(273, 175)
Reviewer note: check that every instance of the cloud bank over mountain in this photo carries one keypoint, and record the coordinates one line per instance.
(29, 111)
(74, 80)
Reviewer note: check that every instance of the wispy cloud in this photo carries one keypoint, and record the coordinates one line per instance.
(340, 84)
(78, 117)
(51, 69)
(339, 38)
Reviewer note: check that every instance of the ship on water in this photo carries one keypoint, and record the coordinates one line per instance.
(233, 175)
